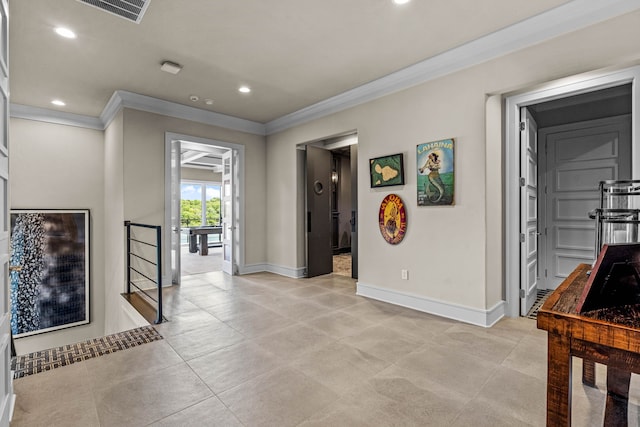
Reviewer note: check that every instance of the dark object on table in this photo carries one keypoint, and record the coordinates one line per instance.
(614, 280)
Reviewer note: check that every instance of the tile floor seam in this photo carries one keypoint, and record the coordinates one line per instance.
(217, 393)
(213, 393)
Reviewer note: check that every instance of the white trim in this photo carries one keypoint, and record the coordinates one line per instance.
(555, 90)
(253, 268)
(172, 109)
(474, 316)
(19, 111)
(293, 272)
(111, 109)
(563, 19)
(122, 99)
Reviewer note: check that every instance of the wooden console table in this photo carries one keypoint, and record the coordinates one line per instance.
(572, 334)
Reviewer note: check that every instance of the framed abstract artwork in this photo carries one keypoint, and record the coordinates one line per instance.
(49, 270)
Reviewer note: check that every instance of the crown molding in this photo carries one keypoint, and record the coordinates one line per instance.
(27, 112)
(124, 99)
(563, 19)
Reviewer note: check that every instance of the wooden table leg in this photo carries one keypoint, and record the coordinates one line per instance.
(615, 412)
(558, 381)
(204, 245)
(193, 243)
(588, 373)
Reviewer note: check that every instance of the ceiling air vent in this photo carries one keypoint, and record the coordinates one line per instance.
(131, 10)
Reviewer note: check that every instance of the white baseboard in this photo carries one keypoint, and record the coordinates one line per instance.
(253, 268)
(475, 316)
(293, 272)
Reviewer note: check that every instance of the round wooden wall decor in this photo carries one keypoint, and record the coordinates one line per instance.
(392, 219)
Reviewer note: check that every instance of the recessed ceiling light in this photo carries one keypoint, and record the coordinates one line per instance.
(65, 32)
(58, 102)
(401, 1)
(244, 89)
(208, 101)
(194, 98)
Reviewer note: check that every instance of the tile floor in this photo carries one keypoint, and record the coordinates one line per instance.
(265, 350)
(194, 263)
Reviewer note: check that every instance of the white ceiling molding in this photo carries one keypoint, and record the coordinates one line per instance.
(20, 111)
(124, 99)
(566, 18)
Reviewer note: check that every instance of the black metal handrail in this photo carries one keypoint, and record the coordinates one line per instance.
(146, 261)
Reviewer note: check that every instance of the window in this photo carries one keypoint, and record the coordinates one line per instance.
(199, 203)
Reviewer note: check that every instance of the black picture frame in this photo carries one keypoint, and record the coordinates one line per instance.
(386, 171)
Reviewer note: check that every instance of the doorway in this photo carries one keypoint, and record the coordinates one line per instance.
(331, 206)
(203, 208)
(544, 234)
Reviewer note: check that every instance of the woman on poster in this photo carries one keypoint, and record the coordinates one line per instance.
(434, 180)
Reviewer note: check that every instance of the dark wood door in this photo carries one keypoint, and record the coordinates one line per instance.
(319, 251)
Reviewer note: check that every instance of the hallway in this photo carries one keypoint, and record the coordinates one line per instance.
(266, 350)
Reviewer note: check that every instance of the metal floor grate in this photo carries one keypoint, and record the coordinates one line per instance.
(542, 296)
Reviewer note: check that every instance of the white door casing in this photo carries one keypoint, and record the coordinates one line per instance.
(227, 210)
(238, 203)
(175, 167)
(578, 157)
(7, 397)
(578, 84)
(529, 210)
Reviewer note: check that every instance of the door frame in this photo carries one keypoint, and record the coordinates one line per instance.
(340, 140)
(239, 191)
(575, 85)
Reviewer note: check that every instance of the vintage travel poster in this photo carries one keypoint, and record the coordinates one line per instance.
(392, 219)
(435, 173)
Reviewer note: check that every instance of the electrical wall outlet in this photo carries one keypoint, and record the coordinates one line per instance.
(404, 274)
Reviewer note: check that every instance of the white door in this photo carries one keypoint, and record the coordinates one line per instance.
(227, 203)
(529, 211)
(6, 388)
(175, 212)
(578, 157)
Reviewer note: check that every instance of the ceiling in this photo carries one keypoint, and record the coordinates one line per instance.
(201, 156)
(292, 53)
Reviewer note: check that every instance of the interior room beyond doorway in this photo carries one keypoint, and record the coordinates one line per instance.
(562, 109)
(200, 211)
(331, 206)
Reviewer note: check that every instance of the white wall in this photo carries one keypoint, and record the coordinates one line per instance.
(61, 167)
(144, 136)
(452, 253)
(119, 314)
